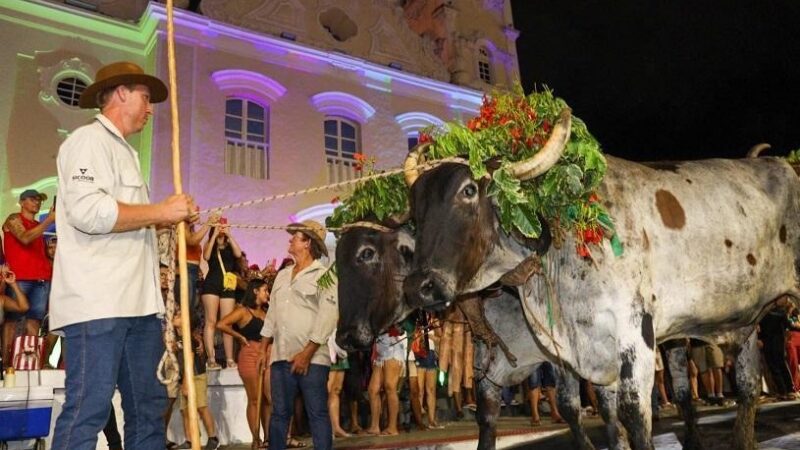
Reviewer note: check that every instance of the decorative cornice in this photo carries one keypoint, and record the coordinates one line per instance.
(342, 104)
(414, 121)
(245, 80)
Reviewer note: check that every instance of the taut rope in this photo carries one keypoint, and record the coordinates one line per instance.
(430, 164)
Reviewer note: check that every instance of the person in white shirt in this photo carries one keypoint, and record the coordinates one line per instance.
(300, 318)
(106, 297)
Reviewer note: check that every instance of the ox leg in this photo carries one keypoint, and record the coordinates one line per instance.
(678, 361)
(637, 373)
(748, 383)
(607, 403)
(488, 399)
(569, 405)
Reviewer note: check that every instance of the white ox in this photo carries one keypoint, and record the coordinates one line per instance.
(709, 245)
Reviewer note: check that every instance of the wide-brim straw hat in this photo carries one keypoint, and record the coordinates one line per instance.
(122, 73)
(314, 230)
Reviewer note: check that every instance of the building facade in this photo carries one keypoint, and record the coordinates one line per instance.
(274, 96)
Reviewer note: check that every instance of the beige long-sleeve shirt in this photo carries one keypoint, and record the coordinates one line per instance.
(300, 312)
(99, 274)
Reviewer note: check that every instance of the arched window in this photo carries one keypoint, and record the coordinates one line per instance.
(342, 142)
(246, 138)
(414, 122)
(485, 65)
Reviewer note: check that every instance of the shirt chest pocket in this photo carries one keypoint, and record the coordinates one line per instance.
(307, 290)
(132, 187)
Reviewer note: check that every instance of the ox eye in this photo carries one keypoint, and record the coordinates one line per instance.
(366, 255)
(470, 190)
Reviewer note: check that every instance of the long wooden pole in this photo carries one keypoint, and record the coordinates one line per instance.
(186, 332)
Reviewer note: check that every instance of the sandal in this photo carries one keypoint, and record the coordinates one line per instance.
(230, 364)
(213, 366)
(294, 443)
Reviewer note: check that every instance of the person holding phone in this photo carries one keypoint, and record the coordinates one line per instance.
(221, 252)
(26, 257)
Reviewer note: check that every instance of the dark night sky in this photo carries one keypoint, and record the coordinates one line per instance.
(669, 79)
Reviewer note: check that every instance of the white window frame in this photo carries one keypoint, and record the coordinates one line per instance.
(340, 165)
(244, 156)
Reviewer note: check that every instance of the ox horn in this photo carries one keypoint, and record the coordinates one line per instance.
(549, 154)
(415, 158)
(755, 151)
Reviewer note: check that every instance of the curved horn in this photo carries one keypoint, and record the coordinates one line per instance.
(756, 150)
(414, 158)
(549, 153)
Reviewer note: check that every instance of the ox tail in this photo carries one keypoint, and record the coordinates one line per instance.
(755, 151)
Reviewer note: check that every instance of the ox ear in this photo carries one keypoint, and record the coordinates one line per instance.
(492, 164)
(398, 220)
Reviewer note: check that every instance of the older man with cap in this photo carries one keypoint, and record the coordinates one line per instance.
(26, 257)
(301, 316)
(106, 296)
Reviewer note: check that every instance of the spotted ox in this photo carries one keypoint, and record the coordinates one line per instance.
(372, 262)
(709, 245)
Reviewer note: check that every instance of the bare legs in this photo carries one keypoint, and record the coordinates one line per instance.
(427, 386)
(214, 306)
(387, 377)
(211, 308)
(335, 382)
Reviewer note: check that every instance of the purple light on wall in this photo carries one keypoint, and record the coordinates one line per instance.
(236, 80)
(336, 103)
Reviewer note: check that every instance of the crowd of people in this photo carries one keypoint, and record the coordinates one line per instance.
(105, 296)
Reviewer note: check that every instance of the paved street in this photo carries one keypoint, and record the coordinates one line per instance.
(778, 427)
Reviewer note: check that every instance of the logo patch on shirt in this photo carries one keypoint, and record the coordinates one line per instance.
(83, 178)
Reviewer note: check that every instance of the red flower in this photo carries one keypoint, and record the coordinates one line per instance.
(335, 200)
(583, 251)
(358, 167)
(516, 133)
(359, 157)
(424, 137)
(546, 126)
(593, 198)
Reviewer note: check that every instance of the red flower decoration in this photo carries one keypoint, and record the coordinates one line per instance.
(583, 251)
(424, 137)
(359, 157)
(335, 200)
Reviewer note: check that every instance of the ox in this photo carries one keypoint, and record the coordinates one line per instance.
(372, 263)
(709, 245)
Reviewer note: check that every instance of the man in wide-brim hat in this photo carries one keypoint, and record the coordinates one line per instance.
(299, 321)
(106, 297)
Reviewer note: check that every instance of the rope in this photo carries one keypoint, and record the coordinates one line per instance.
(388, 173)
(168, 368)
(349, 226)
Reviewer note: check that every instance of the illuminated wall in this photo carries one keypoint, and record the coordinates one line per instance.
(300, 82)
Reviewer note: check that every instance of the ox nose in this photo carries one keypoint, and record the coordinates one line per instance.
(353, 338)
(424, 289)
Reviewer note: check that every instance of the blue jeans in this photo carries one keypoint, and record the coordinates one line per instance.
(104, 354)
(38, 292)
(193, 272)
(314, 386)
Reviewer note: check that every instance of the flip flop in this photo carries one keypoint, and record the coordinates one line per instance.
(294, 443)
